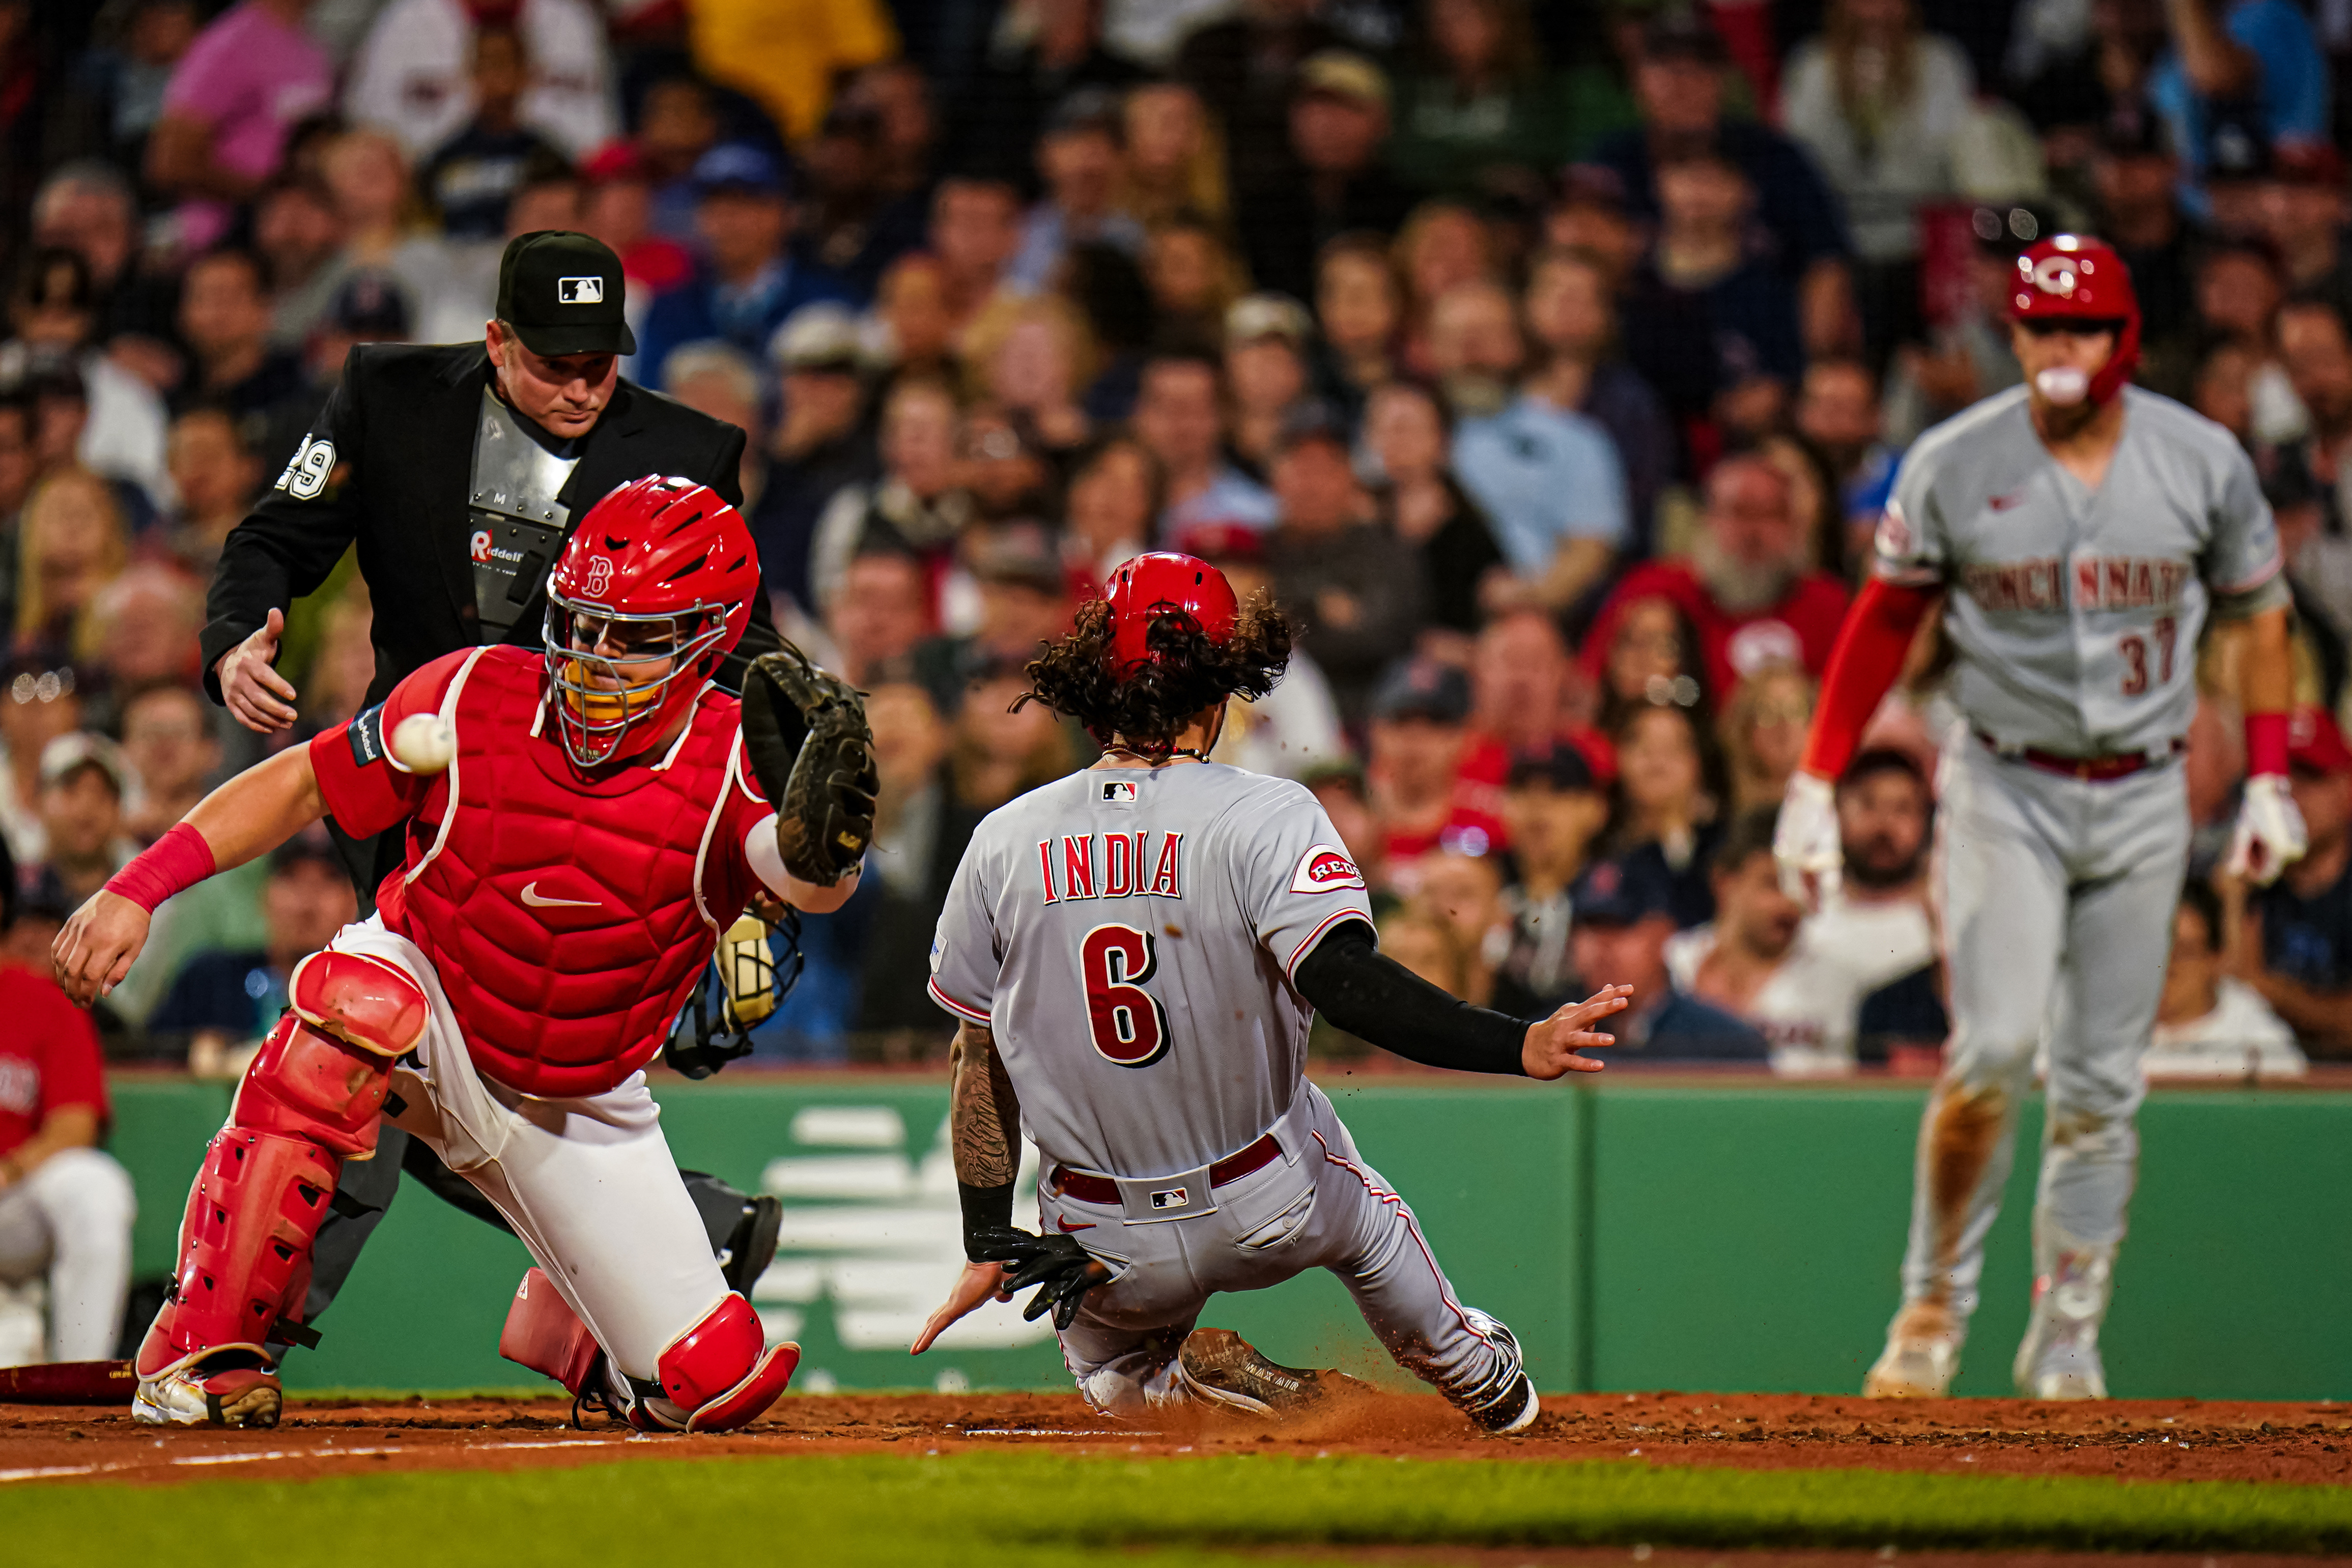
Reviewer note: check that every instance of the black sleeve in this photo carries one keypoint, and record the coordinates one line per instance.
(984, 1208)
(1374, 997)
(295, 534)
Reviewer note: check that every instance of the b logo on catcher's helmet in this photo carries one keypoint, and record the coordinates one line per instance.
(599, 574)
(1325, 868)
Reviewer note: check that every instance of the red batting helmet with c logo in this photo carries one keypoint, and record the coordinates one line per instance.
(1162, 582)
(2072, 277)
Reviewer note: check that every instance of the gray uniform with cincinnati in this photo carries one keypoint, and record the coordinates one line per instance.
(1129, 935)
(2075, 613)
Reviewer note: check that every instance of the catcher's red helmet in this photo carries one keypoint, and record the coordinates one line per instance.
(659, 568)
(1164, 583)
(2075, 277)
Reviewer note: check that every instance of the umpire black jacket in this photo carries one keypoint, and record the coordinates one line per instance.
(402, 427)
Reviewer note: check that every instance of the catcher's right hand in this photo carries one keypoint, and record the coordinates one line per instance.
(805, 729)
(1064, 1271)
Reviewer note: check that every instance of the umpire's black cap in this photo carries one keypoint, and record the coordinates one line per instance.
(563, 294)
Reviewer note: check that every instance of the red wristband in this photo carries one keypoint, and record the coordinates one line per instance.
(2266, 743)
(172, 863)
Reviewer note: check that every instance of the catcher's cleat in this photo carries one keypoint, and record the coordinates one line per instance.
(1922, 1354)
(194, 1394)
(1223, 1370)
(1508, 1402)
(752, 1245)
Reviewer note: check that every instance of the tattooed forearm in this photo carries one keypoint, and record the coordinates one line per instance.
(983, 1118)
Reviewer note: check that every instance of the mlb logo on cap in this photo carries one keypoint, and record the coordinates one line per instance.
(579, 291)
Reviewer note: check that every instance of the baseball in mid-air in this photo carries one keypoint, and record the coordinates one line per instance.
(424, 742)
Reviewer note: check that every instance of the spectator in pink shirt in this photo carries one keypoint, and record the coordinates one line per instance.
(243, 85)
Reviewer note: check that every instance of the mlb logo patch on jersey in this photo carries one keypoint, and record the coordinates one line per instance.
(1325, 869)
(1119, 790)
(579, 291)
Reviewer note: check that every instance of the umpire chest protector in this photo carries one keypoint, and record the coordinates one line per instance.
(567, 915)
(514, 522)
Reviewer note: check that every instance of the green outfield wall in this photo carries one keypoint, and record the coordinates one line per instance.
(1639, 1233)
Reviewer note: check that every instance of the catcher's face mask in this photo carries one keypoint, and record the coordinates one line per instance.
(616, 679)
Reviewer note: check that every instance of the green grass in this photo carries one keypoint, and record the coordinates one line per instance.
(1044, 1510)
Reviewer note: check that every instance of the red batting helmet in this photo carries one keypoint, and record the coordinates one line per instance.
(2072, 277)
(1161, 583)
(660, 568)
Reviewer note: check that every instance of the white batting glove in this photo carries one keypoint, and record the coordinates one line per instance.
(2270, 835)
(1806, 844)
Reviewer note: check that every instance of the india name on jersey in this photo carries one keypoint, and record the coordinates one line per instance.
(1129, 935)
(2075, 611)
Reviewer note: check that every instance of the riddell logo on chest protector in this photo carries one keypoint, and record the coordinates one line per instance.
(1325, 868)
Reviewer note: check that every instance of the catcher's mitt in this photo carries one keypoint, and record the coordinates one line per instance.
(805, 729)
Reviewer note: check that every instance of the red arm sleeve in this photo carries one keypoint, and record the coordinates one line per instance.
(366, 791)
(1869, 654)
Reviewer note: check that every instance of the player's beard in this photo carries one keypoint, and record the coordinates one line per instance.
(1741, 586)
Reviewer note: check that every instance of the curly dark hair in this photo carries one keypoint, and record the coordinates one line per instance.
(1148, 710)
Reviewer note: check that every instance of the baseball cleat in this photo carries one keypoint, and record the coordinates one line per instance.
(194, 1396)
(2059, 1356)
(2062, 1365)
(1220, 1368)
(1507, 1403)
(1922, 1354)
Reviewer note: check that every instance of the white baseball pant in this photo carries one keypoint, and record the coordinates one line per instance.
(69, 1219)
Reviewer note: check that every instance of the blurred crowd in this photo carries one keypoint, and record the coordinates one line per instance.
(1548, 360)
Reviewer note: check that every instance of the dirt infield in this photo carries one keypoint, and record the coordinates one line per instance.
(2149, 1440)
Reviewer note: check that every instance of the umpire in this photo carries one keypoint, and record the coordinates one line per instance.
(456, 469)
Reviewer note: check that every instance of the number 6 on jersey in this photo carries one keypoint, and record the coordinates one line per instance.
(1129, 1025)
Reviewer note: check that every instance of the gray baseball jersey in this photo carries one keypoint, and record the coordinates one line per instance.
(1129, 934)
(2075, 611)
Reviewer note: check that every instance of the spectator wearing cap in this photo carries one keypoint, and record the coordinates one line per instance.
(1407, 446)
(222, 1002)
(300, 235)
(1679, 84)
(1346, 582)
(851, 223)
(823, 443)
(1334, 178)
(1418, 730)
(1080, 156)
(1553, 810)
(2304, 213)
(1968, 357)
(1621, 927)
(83, 781)
(748, 282)
(2294, 942)
(1013, 102)
(2249, 68)
(2209, 1023)
(617, 207)
(65, 1206)
(2315, 346)
(368, 308)
(1547, 478)
(1293, 731)
(1762, 960)
(215, 475)
(1746, 586)
(1024, 600)
(1266, 367)
(1580, 368)
(1878, 104)
(471, 176)
(2136, 176)
(1180, 416)
(244, 83)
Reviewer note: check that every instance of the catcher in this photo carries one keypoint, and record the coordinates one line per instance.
(577, 826)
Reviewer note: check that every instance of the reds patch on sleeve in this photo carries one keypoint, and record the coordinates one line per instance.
(1325, 869)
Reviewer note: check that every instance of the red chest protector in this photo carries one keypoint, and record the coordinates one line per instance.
(570, 917)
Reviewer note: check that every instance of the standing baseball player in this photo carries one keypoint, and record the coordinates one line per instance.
(577, 826)
(2077, 531)
(1135, 953)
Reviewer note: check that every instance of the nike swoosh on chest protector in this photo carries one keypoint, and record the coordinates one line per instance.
(532, 896)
